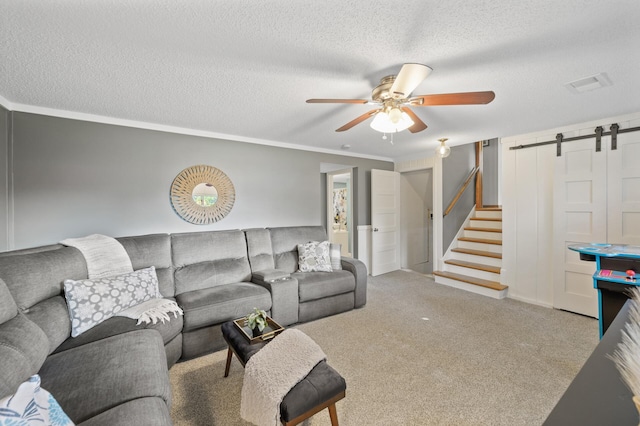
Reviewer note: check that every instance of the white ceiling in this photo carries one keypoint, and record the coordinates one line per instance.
(245, 68)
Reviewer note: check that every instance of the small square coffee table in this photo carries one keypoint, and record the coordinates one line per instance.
(241, 342)
(270, 331)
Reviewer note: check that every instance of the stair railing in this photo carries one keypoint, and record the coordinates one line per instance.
(464, 186)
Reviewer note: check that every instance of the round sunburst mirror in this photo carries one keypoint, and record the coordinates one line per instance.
(202, 194)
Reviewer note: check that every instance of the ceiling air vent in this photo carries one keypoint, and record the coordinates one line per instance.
(589, 83)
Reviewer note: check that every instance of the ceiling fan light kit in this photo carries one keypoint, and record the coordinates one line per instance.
(391, 122)
(443, 150)
(393, 97)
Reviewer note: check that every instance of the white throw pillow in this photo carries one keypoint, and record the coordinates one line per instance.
(32, 405)
(314, 257)
(335, 254)
(92, 301)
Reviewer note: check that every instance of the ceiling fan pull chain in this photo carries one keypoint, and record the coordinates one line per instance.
(384, 136)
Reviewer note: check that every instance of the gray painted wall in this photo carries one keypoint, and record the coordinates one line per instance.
(73, 178)
(4, 170)
(455, 169)
(490, 167)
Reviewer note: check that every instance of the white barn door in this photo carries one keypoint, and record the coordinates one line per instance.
(580, 216)
(623, 190)
(385, 221)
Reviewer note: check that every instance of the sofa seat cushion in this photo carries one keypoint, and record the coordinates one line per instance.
(317, 285)
(93, 378)
(120, 325)
(221, 303)
(151, 411)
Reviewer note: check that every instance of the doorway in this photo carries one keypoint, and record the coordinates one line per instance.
(340, 210)
(416, 189)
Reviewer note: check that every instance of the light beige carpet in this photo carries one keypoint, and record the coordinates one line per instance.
(419, 353)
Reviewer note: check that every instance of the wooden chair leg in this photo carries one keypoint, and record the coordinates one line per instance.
(229, 356)
(333, 414)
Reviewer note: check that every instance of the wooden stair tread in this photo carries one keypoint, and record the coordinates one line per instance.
(492, 219)
(471, 280)
(478, 252)
(489, 209)
(473, 228)
(473, 265)
(480, 240)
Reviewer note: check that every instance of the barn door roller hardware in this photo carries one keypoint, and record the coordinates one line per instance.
(598, 138)
(614, 136)
(614, 131)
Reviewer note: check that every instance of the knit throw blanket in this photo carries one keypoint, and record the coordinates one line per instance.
(152, 311)
(104, 255)
(272, 372)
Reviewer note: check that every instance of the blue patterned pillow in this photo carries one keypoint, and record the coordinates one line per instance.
(32, 405)
(92, 301)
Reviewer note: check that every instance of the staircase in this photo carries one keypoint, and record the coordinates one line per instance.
(474, 264)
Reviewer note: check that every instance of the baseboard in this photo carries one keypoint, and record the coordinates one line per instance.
(530, 301)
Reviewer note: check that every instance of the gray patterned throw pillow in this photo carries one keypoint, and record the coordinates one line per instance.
(92, 301)
(314, 257)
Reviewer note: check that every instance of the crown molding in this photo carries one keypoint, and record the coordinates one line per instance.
(6, 103)
(74, 115)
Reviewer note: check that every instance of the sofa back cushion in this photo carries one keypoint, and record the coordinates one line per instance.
(35, 278)
(8, 307)
(35, 275)
(152, 250)
(285, 240)
(207, 259)
(259, 249)
(23, 349)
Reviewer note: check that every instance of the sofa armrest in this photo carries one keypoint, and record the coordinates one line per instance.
(359, 271)
(284, 294)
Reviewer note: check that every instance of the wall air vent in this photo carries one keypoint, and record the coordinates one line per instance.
(589, 83)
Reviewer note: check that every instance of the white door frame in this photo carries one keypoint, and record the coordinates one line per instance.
(329, 224)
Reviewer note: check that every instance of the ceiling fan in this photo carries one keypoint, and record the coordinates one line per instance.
(393, 99)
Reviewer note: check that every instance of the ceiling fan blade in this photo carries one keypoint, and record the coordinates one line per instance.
(418, 124)
(408, 79)
(466, 98)
(358, 120)
(337, 101)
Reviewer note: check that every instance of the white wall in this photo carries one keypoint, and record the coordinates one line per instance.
(527, 209)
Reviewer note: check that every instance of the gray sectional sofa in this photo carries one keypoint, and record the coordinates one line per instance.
(117, 372)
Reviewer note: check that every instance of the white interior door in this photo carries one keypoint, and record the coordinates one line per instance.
(623, 190)
(385, 221)
(580, 216)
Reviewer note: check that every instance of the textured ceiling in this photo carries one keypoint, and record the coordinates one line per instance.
(245, 68)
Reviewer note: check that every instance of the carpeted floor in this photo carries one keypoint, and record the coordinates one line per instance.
(419, 353)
